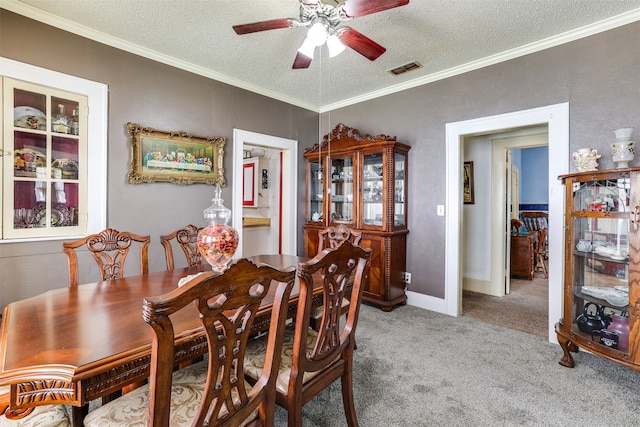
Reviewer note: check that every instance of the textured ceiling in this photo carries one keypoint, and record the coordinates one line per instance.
(446, 37)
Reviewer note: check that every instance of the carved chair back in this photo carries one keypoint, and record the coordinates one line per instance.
(332, 237)
(187, 239)
(227, 304)
(328, 352)
(109, 249)
(212, 392)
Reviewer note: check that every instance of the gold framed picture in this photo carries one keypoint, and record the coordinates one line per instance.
(468, 183)
(176, 157)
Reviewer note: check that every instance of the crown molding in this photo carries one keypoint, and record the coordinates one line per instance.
(569, 36)
(84, 31)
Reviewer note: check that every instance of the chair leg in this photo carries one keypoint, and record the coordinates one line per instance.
(347, 398)
(294, 410)
(542, 263)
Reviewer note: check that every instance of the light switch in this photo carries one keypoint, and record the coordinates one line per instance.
(440, 210)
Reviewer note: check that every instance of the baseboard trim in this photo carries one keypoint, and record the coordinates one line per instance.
(427, 302)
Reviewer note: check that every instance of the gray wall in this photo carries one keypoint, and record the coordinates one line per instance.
(597, 75)
(152, 94)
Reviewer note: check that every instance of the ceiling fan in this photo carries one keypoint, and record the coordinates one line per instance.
(324, 21)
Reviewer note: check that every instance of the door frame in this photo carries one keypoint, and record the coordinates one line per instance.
(289, 184)
(557, 119)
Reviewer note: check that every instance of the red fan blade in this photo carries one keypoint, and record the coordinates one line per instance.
(361, 44)
(301, 61)
(254, 27)
(355, 8)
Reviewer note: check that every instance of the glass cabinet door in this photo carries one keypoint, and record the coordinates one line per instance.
(600, 239)
(373, 189)
(315, 191)
(42, 184)
(342, 196)
(399, 195)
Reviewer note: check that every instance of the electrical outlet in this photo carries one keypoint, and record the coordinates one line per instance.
(440, 210)
(406, 277)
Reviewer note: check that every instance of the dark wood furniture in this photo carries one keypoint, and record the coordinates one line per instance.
(361, 182)
(538, 221)
(312, 360)
(541, 253)
(602, 262)
(200, 393)
(76, 344)
(535, 220)
(187, 239)
(109, 248)
(332, 237)
(523, 255)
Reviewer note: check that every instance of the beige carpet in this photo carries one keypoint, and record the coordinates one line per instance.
(525, 309)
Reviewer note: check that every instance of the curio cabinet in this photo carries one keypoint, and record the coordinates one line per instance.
(361, 182)
(602, 266)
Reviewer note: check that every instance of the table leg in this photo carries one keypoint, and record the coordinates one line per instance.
(77, 415)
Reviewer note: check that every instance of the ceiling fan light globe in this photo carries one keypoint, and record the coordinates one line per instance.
(308, 48)
(335, 46)
(317, 34)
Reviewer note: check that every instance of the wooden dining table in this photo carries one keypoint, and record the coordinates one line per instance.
(76, 344)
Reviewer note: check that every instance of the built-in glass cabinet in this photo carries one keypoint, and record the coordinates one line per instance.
(601, 273)
(44, 160)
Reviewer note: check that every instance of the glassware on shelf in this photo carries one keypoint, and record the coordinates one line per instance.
(75, 122)
(218, 241)
(60, 122)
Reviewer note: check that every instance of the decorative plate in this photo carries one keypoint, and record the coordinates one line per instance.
(23, 110)
(30, 118)
(30, 155)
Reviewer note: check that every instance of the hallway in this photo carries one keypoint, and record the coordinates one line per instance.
(525, 309)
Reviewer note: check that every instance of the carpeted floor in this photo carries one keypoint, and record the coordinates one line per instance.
(414, 367)
(525, 308)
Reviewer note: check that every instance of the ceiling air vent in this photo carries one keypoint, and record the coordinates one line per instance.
(404, 68)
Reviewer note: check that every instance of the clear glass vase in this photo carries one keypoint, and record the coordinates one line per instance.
(218, 241)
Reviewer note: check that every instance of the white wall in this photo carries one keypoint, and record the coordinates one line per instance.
(265, 239)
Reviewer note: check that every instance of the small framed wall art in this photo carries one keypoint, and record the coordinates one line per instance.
(468, 183)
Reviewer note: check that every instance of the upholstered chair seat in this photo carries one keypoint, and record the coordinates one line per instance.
(187, 389)
(254, 358)
(41, 416)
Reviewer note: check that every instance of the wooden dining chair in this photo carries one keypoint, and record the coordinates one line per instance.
(535, 220)
(49, 415)
(187, 238)
(332, 237)
(313, 360)
(212, 392)
(541, 253)
(109, 248)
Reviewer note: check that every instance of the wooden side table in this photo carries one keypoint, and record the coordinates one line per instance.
(523, 250)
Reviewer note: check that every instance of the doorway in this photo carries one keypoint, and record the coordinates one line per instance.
(556, 117)
(515, 302)
(287, 182)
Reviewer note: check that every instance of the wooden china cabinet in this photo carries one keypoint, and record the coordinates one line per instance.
(602, 266)
(361, 182)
